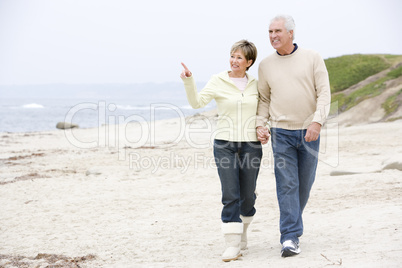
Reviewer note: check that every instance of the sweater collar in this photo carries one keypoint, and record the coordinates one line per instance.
(294, 49)
(225, 76)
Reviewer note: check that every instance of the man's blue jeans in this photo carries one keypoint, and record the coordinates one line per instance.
(238, 165)
(295, 168)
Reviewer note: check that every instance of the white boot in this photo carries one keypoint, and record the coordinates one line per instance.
(246, 222)
(232, 232)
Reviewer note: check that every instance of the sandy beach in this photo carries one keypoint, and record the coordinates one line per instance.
(148, 195)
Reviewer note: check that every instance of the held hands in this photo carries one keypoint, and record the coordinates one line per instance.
(186, 72)
(312, 134)
(263, 134)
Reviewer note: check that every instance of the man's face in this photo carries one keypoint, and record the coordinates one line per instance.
(279, 37)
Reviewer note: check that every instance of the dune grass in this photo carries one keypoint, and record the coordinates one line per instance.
(348, 70)
(345, 102)
(391, 103)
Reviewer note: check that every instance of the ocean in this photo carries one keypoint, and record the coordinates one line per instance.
(34, 108)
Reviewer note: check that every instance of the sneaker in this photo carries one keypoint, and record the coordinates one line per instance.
(290, 248)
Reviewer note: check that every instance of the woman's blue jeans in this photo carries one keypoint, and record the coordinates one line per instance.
(295, 163)
(238, 165)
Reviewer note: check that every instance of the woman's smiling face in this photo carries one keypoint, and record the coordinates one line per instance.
(238, 63)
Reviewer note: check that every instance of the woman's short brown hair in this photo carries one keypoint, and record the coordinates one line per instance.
(249, 50)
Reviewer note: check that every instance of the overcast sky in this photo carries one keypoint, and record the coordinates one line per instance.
(129, 41)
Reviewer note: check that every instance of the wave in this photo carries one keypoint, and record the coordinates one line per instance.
(188, 107)
(126, 107)
(129, 107)
(156, 106)
(33, 106)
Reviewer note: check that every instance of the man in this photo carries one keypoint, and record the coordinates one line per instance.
(294, 98)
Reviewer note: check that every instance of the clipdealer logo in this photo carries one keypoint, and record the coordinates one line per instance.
(118, 134)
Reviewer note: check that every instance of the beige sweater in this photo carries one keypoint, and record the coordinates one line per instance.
(294, 90)
(236, 109)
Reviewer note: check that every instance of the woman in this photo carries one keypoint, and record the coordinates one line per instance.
(237, 150)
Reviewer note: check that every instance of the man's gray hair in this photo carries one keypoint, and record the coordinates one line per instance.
(289, 23)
